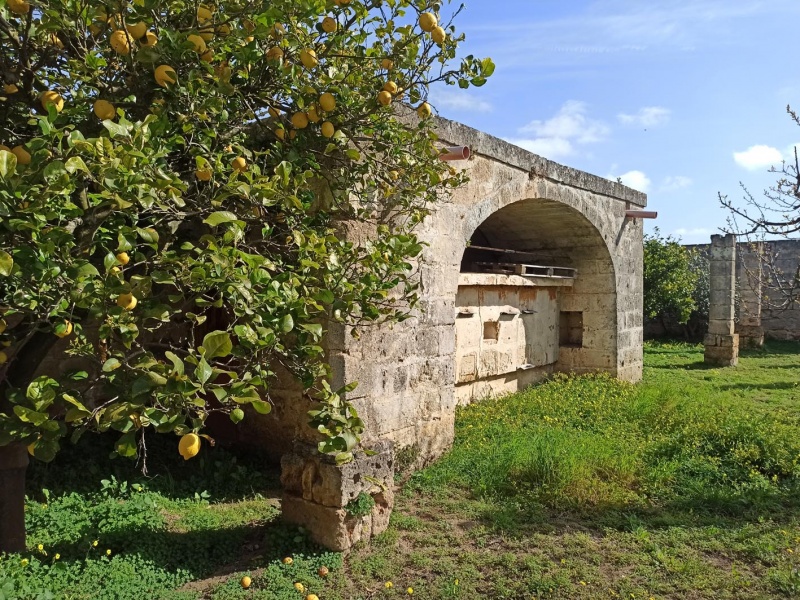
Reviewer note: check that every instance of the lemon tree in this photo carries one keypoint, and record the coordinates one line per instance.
(174, 182)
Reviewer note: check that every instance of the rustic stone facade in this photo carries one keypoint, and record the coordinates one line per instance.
(722, 344)
(411, 375)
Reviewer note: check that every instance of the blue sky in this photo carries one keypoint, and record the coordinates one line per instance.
(680, 98)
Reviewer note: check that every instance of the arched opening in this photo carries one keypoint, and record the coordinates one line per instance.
(536, 295)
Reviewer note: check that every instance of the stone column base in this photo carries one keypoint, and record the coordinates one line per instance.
(722, 350)
(751, 336)
(325, 498)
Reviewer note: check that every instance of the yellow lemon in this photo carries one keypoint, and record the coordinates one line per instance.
(280, 134)
(438, 35)
(384, 98)
(51, 98)
(427, 21)
(288, 560)
(341, 2)
(198, 43)
(299, 587)
(3, 325)
(391, 87)
(204, 14)
(203, 174)
(387, 64)
(119, 42)
(313, 114)
(273, 112)
(150, 39)
(137, 30)
(3, 358)
(23, 156)
(32, 448)
(323, 572)
(10, 88)
(224, 30)
(275, 53)
(328, 129)
(278, 31)
(20, 7)
(246, 582)
(123, 258)
(327, 102)
(127, 301)
(67, 330)
(309, 58)
(165, 75)
(103, 109)
(424, 110)
(300, 120)
(207, 33)
(207, 56)
(329, 24)
(312, 597)
(239, 164)
(189, 446)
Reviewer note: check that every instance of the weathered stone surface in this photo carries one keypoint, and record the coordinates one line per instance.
(721, 344)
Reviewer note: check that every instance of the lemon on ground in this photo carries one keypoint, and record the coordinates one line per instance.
(299, 587)
(137, 30)
(189, 446)
(20, 7)
(275, 53)
(246, 581)
(120, 43)
(103, 109)
(328, 129)
(198, 43)
(150, 39)
(239, 164)
(427, 21)
(123, 258)
(387, 64)
(51, 98)
(300, 120)
(384, 98)
(313, 114)
(288, 560)
(66, 331)
(127, 301)
(327, 102)
(23, 156)
(312, 597)
(204, 14)
(424, 110)
(165, 75)
(203, 174)
(391, 87)
(438, 35)
(309, 58)
(329, 24)
(323, 571)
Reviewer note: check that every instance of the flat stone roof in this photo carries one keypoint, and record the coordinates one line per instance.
(492, 147)
(487, 279)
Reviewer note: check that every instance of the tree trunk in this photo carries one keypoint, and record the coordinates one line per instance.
(13, 463)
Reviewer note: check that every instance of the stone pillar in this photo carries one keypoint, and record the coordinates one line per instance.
(749, 271)
(339, 504)
(722, 344)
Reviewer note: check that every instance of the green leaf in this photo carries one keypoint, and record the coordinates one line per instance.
(177, 363)
(8, 164)
(203, 371)
(287, 324)
(26, 415)
(261, 407)
(126, 445)
(314, 329)
(111, 364)
(217, 344)
(220, 217)
(6, 263)
(76, 164)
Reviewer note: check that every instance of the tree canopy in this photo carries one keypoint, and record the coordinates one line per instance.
(670, 281)
(174, 180)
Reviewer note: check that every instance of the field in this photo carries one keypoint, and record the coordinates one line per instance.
(685, 486)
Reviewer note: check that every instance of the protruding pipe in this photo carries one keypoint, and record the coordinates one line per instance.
(641, 214)
(456, 153)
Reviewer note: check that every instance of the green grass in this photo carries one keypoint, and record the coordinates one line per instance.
(684, 486)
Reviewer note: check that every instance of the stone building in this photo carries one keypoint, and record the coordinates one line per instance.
(530, 269)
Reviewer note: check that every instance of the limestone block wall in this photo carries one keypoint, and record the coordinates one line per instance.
(507, 333)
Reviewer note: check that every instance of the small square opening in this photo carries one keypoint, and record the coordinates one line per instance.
(491, 331)
(570, 329)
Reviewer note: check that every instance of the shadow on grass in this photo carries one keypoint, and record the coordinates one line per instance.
(776, 385)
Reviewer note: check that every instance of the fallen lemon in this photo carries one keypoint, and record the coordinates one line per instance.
(188, 447)
(246, 581)
(288, 560)
(299, 587)
(323, 571)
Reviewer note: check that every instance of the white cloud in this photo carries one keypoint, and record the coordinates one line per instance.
(758, 157)
(649, 116)
(560, 135)
(633, 179)
(695, 235)
(672, 183)
(460, 102)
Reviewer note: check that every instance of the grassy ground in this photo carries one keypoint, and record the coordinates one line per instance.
(686, 486)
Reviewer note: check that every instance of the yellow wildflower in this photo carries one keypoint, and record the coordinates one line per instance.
(388, 585)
